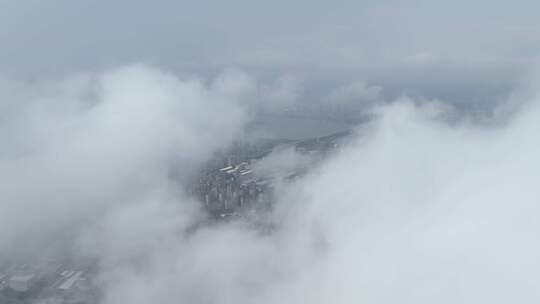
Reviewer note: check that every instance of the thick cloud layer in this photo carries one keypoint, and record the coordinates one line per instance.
(433, 201)
(412, 211)
(418, 212)
(73, 148)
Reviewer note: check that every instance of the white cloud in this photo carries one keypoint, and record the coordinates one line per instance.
(415, 210)
(92, 144)
(356, 95)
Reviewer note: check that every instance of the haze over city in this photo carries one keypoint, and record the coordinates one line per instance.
(279, 152)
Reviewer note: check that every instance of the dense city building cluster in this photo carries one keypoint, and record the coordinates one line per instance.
(234, 186)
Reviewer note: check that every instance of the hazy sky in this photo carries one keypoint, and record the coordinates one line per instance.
(470, 52)
(57, 34)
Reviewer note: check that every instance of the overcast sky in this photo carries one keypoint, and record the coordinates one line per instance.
(66, 34)
(467, 52)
